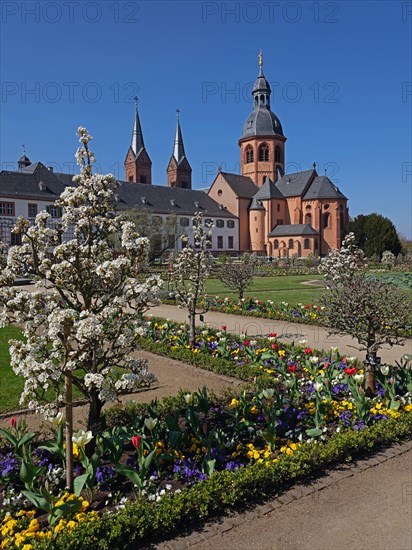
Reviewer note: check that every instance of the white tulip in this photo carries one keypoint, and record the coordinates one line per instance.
(359, 378)
(384, 370)
(150, 423)
(268, 393)
(318, 386)
(82, 438)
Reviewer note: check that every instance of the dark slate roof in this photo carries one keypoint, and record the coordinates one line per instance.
(243, 186)
(167, 200)
(323, 188)
(262, 122)
(256, 205)
(268, 191)
(292, 185)
(34, 182)
(158, 198)
(292, 230)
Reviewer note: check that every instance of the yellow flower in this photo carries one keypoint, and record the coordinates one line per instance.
(408, 408)
(281, 352)
(254, 410)
(234, 403)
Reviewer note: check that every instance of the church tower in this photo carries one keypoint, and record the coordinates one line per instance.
(137, 165)
(179, 171)
(262, 145)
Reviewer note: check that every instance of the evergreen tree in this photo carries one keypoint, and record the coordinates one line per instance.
(374, 234)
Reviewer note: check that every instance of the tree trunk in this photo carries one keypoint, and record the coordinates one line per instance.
(69, 433)
(370, 374)
(95, 421)
(240, 294)
(192, 318)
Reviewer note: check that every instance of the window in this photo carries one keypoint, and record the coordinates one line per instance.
(306, 244)
(326, 220)
(290, 243)
(142, 179)
(184, 222)
(208, 222)
(220, 242)
(15, 239)
(6, 208)
(230, 224)
(171, 240)
(275, 243)
(257, 230)
(32, 210)
(54, 211)
(263, 152)
(220, 223)
(185, 185)
(130, 179)
(208, 241)
(278, 207)
(219, 193)
(249, 154)
(277, 153)
(195, 222)
(230, 242)
(308, 219)
(316, 244)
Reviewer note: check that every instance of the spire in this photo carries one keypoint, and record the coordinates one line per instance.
(260, 63)
(178, 149)
(137, 137)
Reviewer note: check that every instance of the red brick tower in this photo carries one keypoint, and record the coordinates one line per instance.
(262, 145)
(137, 165)
(179, 171)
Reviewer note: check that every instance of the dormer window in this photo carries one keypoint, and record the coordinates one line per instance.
(197, 204)
(144, 200)
(172, 202)
(42, 186)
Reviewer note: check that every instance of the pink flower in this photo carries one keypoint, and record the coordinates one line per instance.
(136, 441)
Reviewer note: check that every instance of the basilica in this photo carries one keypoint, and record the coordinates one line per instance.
(263, 209)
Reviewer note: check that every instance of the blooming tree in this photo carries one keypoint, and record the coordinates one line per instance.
(4, 248)
(373, 312)
(388, 259)
(190, 268)
(82, 323)
(239, 275)
(341, 265)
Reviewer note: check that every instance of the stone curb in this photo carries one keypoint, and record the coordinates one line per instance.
(297, 492)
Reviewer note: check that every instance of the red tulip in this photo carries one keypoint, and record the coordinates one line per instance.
(274, 346)
(350, 371)
(224, 327)
(246, 343)
(13, 421)
(308, 351)
(306, 307)
(273, 334)
(292, 368)
(136, 441)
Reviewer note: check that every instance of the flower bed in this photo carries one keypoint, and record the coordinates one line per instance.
(202, 455)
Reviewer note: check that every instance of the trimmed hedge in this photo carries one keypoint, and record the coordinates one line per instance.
(224, 491)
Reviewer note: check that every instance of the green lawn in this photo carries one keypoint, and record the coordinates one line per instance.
(288, 288)
(11, 385)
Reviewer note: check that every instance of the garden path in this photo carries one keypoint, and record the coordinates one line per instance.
(316, 336)
(172, 375)
(357, 507)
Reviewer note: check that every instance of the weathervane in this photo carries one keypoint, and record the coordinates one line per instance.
(260, 59)
(177, 113)
(24, 149)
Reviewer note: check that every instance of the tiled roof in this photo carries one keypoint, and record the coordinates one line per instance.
(38, 183)
(295, 185)
(243, 186)
(323, 188)
(268, 191)
(290, 230)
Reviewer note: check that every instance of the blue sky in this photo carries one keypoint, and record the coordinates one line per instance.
(340, 74)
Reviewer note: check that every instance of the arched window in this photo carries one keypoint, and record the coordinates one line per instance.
(326, 220)
(290, 243)
(308, 219)
(306, 244)
(249, 154)
(262, 99)
(277, 153)
(256, 100)
(316, 244)
(264, 152)
(275, 243)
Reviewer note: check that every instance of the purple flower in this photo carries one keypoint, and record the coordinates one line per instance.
(9, 465)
